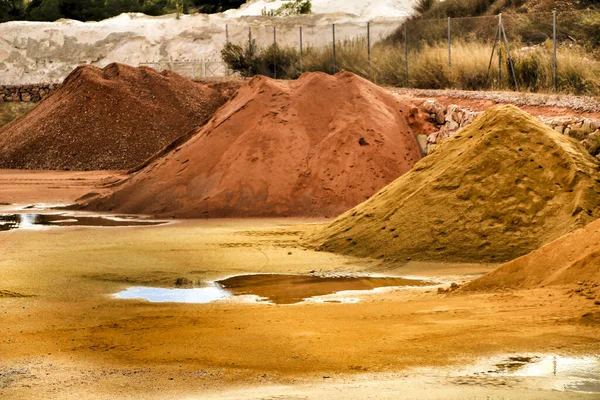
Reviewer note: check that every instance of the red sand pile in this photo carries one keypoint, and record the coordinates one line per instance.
(312, 147)
(111, 118)
(572, 258)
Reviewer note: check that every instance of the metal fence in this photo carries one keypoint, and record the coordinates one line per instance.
(407, 52)
(193, 69)
(532, 51)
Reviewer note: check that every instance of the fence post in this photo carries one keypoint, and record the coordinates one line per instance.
(274, 52)
(554, 80)
(301, 65)
(250, 39)
(226, 42)
(500, 49)
(250, 50)
(449, 44)
(369, 42)
(334, 60)
(406, 50)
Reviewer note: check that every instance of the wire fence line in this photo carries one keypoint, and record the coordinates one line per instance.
(529, 52)
(533, 51)
(193, 69)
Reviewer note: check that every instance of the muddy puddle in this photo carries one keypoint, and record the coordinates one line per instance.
(554, 372)
(274, 289)
(16, 221)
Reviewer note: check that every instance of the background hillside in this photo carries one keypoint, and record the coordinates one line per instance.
(95, 10)
(428, 9)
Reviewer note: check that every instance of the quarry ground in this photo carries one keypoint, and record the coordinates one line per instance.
(63, 336)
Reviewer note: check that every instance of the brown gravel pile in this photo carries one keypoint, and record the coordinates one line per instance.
(107, 119)
(316, 146)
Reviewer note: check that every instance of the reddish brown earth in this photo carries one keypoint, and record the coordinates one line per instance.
(19, 188)
(571, 259)
(107, 119)
(316, 146)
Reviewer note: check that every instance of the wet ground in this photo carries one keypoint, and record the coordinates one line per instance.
(64, 336)
(549, 371)
(24, 221)
(503, 377)
(290, 289)
(274, 289)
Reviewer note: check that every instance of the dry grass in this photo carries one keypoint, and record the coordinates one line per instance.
(12, 110)
(428, 66)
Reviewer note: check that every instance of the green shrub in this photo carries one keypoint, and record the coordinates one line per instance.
(423, 6)
(291, 7)
(239, 59)
(249, 60)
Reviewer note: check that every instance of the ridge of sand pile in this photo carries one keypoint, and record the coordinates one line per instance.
(502, 187)
(311, 147)
(572, 258)
(111, 118)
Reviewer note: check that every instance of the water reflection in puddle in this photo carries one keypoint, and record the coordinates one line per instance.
(579, 374)
(290, 289)
(163, 295)
(273, 288)
(16, 221)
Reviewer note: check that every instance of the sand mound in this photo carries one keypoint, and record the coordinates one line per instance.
(312, 147)
(111, 118)
(502, 187)
(572, 258)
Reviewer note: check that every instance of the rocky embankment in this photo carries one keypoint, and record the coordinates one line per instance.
(451, 118)
(26, 93)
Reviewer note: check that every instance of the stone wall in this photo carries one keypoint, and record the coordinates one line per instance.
(26, 93)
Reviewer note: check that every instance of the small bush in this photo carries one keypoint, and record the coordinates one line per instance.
(250, 61)
(292, 7)
(239, 59)
(452, 8)
(423, 6)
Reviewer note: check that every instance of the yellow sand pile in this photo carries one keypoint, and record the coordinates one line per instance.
(573, 258)
(502, 187)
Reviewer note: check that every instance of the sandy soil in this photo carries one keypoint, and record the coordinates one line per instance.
(63, 337)
(22, 188)
(502, 187)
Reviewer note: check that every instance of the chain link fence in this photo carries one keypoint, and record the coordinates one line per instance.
(193, 69)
